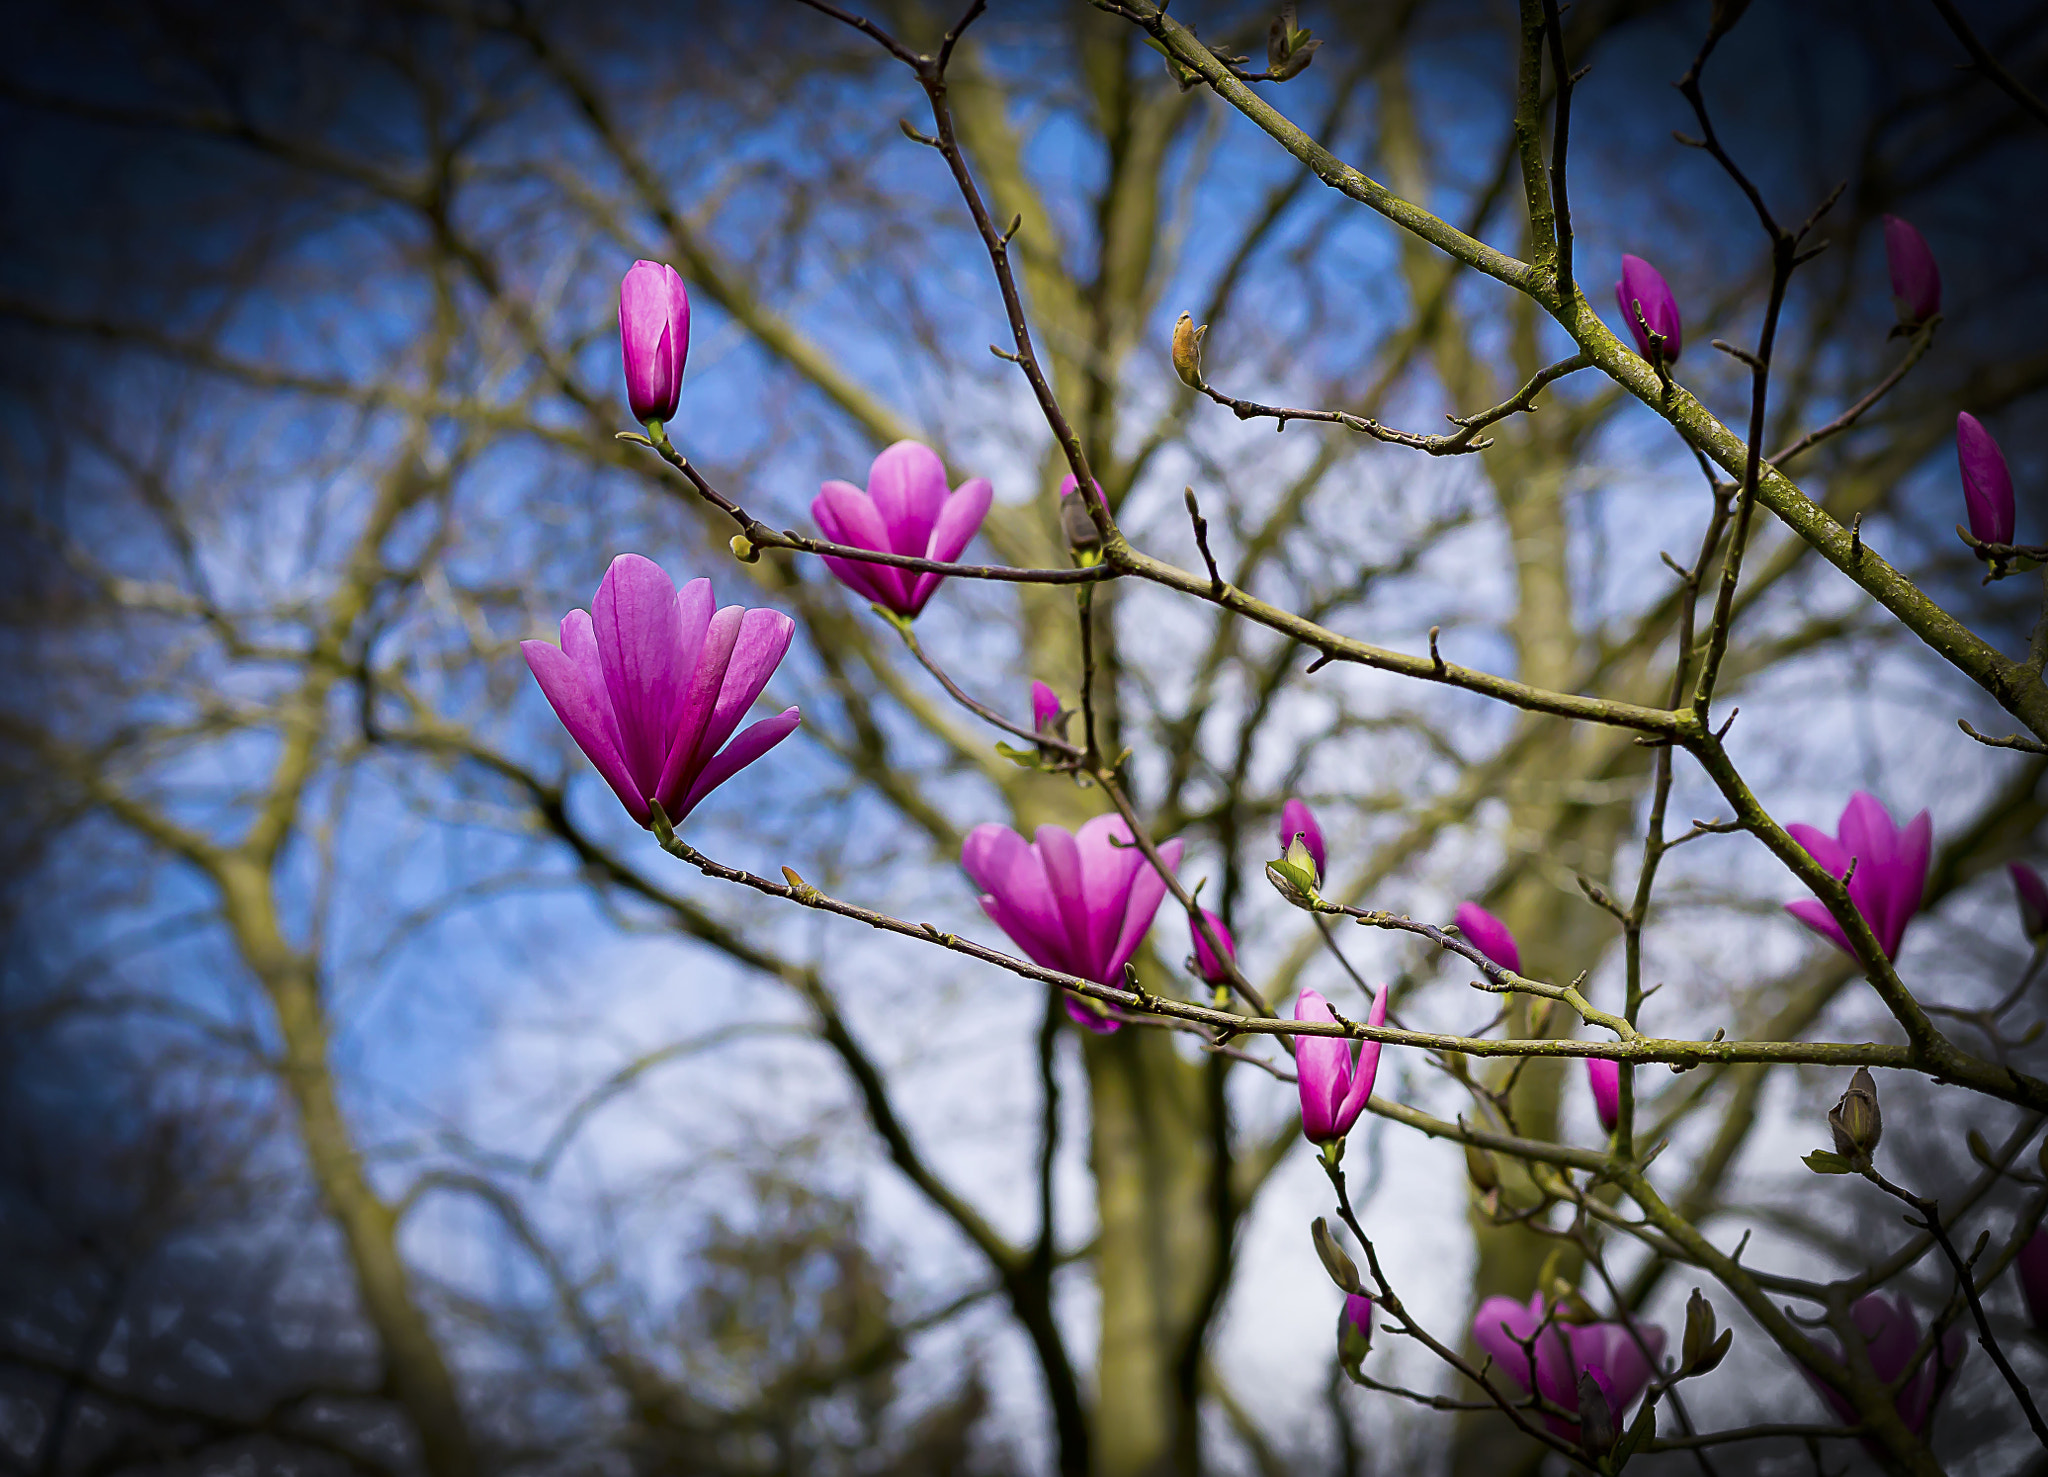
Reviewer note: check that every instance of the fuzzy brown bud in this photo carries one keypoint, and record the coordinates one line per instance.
(1855, 1121)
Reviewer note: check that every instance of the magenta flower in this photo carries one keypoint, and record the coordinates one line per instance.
(1891, 1335)
(1607, 1351)
(1987, 482)
(1603, 1074)
(1216, 971)
(1643, 286)
(1334, 1086)
(1079, 902)
(1890, 876)
(1489, 936)
(1296, 819)
(906, 510)
(654, 337)
(1916, 281)
(651, 681)
(2033, 899)
(2032, 1264)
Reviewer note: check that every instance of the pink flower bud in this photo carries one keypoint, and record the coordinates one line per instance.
(1045, 708)
(1489, 936)
(654, 337)
(1604, 1076)
(2033, 900)
(2032, 1264)
(1296, 819)
(1216, 971)
(1987, 482)
(1916, 281)
(1643, 286)
(1354, 1331)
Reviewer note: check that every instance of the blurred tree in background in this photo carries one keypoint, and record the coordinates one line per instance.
(376, 1098)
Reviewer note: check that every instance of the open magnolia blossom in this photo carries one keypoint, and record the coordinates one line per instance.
(1076, 901)
(905, 510)
(1334, 1084)
(1890, 876)
(1620, 1359)
(651, 681)
(1891, 1336)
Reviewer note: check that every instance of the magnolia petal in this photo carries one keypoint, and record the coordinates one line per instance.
(1141, 905)
(848, 516)
(639, 640)
(1815, 915)
(959, 520)
(579, 700)
(755, 741)
(907, 487)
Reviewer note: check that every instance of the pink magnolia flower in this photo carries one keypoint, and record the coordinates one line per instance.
(1334, 1086)
(1296, 819)
(1916, 280)
(1079, 902)
(1216, 971)
(654, 338)
(905, 510)
(2032, 1264)
(1607, 1351)
(1987, 482)
(651, 681)
(1489, 936)
(1603, 1074)
(1891, 870)
(2032, 893)
(1642, 285)
(1891, 1335)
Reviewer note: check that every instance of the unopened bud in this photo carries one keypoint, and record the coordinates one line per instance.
(1336, 1261)
(1571, 1304)
(1597, 1432)
(1083, 537)
(1288, 47)
(2032, 894)
(1187, 350)
(1479, 1165)
(1354, 1333)
(1702, 1348)
(743, 549)
(1294, 875)
(1855, 1120)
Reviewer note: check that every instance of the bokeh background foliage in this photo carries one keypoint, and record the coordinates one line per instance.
(377, 1098)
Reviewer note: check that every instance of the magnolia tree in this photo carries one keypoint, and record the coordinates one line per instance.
(1105, 784)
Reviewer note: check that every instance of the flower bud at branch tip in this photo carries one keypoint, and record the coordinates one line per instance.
(654, 341)
(1916, 280)
(1987, 482)
(2032, 893)
(1187, 350)
(1336, 1261)
(1354, 1333)
(1855, 1121)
